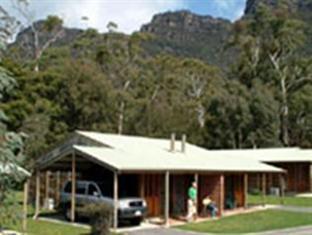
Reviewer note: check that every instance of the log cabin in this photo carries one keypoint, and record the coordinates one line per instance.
(158, 170)
(295, 161)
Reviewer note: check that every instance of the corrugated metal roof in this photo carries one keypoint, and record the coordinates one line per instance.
(271, 155)
(130, 153)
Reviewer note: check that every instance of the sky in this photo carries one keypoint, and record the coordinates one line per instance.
(129, 15)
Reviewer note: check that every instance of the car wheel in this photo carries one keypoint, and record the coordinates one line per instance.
(136, 221)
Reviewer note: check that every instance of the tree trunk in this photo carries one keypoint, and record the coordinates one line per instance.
(121, 117)
(284, 114)
(201, 115)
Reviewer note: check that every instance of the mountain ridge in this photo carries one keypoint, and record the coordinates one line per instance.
(187, 34)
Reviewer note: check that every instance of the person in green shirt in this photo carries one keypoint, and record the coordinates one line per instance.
(192, 202)
(192, 192)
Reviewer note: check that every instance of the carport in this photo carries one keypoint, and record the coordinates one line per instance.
(156, 169)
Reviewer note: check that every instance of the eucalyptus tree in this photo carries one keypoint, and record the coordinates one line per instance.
(43, 35)
(120, 57)
(268, 43)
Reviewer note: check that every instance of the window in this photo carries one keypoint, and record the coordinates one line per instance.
(68, 187)
(92, 190)
(80, 189)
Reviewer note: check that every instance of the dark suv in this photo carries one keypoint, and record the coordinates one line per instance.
(132, 209)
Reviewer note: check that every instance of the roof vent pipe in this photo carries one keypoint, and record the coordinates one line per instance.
(172, 142)
(183, 143)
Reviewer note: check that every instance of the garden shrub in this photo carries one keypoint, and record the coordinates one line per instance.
(100, 215)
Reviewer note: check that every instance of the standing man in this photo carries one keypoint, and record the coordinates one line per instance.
(192, 203)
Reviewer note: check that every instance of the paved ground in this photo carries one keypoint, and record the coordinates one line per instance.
(306, 230)
(292, 208)
(161, 231)
(304, 195)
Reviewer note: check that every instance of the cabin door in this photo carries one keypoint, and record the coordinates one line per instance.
(152, 193)
(234, 191)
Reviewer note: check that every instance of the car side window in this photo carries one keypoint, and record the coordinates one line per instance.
(92, 190)
(68, 188)
(80, 188)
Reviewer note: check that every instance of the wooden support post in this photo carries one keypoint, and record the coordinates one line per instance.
(221, 202)
(167, 204)
(196, 180)
(57, 187)
(246, 191)
(282, 187)
(47, 189)
(263, 188)
(142, 186)
(73, 188)
(25, 202)
(37, 205)
(115, 200)
(270, 183)
(311, 177)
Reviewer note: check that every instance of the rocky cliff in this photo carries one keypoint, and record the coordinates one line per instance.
(186, 34)
(183, 33)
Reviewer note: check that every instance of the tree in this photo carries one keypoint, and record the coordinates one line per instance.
(11, 144)
(86, 97)
(52, 27)
(229, 117)
(301, 117)
(119, 57)
(268, 44)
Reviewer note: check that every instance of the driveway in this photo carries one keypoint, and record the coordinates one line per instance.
(162, 231)
(305, 230)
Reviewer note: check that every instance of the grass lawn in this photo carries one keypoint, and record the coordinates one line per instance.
(274, 200)
(36, 227)
(252, 222)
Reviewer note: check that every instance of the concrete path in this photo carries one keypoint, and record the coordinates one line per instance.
(291, 208)
(162, 231)
(307, 195)
(8, 232)
(305, 230)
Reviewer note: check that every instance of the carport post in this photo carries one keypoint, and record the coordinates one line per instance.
(263, 188)
(196, 200)
(57, 187)
(47, 188)
(167, 188)
(115, 200)
(282, 187)
(73, 188)
(25, 202)
(37, 205)
(246, 190)
(221, 202)
(311, 176)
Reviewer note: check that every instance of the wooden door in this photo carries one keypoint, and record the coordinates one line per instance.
(152, 193)
(239, 190)
(179, 185)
